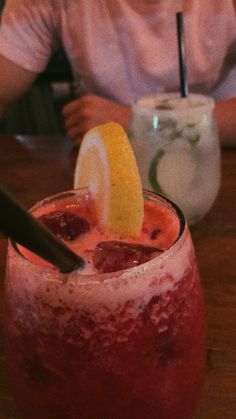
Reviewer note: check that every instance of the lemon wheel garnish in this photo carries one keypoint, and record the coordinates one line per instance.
(106, 165)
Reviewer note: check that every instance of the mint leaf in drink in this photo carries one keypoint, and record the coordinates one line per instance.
(176, 134)
(163, 107)
(167, 124)
(194, 140)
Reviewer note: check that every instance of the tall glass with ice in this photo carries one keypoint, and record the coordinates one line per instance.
(176, 144)
(125, 337)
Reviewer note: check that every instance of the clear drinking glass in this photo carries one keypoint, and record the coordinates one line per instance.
(127, 344)
(177, 148)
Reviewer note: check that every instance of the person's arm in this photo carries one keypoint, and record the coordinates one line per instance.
(88, 111)
(14, 81)
(225, 111)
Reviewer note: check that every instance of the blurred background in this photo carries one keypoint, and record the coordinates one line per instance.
(39, 110)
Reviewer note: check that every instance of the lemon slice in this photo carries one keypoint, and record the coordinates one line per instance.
(106, 165)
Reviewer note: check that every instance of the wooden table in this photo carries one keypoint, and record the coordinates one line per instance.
(33, 167)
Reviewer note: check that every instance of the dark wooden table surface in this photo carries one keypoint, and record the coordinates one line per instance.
(33, 167)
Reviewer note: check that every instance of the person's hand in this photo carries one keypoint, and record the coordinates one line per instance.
(88, 111)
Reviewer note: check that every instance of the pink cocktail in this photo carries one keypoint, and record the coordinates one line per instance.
(99, 344)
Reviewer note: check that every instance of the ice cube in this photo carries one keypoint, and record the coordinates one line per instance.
(112, 256)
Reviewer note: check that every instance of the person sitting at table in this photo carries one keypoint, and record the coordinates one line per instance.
(121, 50)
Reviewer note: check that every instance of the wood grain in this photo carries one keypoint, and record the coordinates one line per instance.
(34, 167)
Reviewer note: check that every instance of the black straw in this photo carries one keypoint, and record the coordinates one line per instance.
(182, 57)
(20, 226)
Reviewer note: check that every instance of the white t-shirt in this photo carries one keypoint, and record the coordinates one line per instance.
(124, 49)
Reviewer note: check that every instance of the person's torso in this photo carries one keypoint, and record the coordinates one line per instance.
(124, 49)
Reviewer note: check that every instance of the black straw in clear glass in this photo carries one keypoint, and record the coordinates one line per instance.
(182, 56)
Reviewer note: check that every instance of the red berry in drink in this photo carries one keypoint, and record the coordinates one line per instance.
(65, 224)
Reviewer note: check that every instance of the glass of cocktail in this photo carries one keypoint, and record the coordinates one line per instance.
(123, 337)
(176, 144)
(97, 344)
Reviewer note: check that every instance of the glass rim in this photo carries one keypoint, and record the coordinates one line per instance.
(95, 278)
(205, 102)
